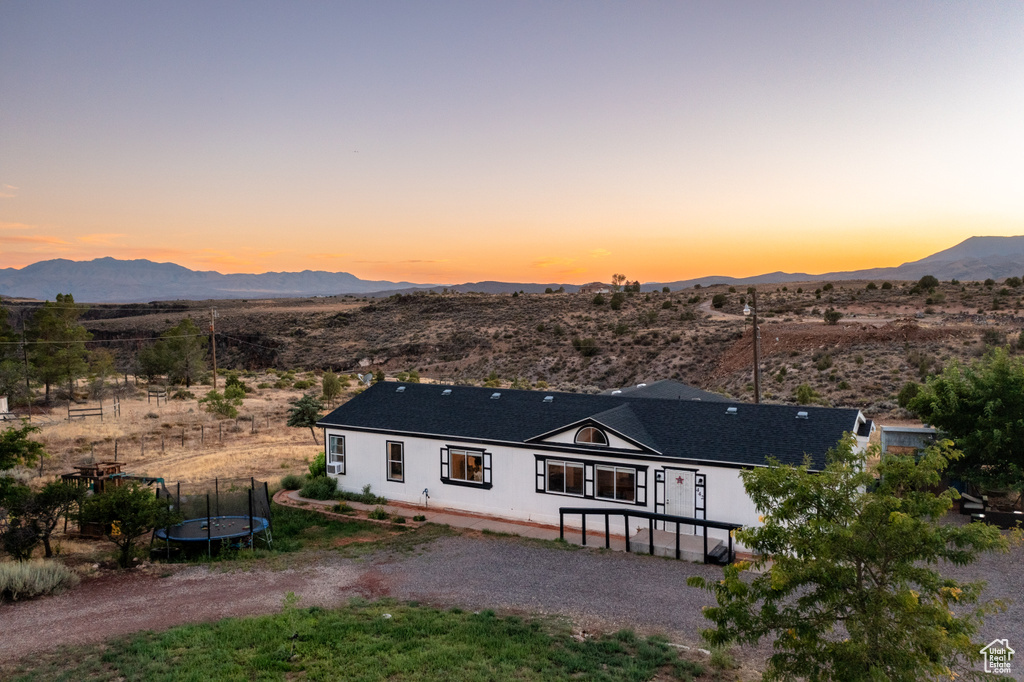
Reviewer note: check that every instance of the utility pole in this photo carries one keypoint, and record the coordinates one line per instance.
(757, 344)
(213, 343)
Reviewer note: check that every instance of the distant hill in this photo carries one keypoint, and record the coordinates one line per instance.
(109, 280)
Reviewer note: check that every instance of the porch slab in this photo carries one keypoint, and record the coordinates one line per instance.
(691, 547)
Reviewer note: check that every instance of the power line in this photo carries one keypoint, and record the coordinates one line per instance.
(145, 338)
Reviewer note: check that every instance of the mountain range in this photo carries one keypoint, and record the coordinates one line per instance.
(109, 280)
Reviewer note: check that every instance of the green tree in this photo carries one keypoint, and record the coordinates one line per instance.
(718, 300)
(846, 583)
(17, 449)
(981, 407)
(58, 351)
(127, 513)
(33, 516)
(12, 367)
(928, 282)
(331, 386)
(617, 281)
(185, 346)
(907, 393)
(305, 412)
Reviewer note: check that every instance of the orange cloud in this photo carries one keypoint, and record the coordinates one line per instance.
(8, 191)
(16, 226)
(34, 239)
(102, 238)
(600, 253)
(553, 262)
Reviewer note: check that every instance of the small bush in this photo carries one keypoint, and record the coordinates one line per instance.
(419, 517)
(365, 497)
(397, 519)
(183, 395)
(303, 384)
(832, 316)
(718, 300)
(152, 415)
(598, 299)
(293, 481)
(378, 514)
(343, 508)
(318, 467)
(28, 579)
(886, 285)
(319, 488)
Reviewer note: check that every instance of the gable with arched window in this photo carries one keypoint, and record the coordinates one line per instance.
(591, 435)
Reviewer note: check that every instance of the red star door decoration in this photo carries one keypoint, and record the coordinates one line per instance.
(679, 480)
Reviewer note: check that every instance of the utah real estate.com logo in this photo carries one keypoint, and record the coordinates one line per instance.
(997, 655)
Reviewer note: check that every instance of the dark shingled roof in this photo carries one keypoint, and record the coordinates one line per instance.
(667, 389)
(677, 429)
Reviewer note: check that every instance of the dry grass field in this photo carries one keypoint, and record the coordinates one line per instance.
(149, 439)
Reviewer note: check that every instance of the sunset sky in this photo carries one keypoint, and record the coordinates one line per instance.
(549, 141)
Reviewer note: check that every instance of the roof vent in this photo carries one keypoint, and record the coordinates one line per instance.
(446, 391)
(549, 398)
(495, 396)
(640, 385)
(616, 392)
(400, 389)
(731, 410)
(801, 415)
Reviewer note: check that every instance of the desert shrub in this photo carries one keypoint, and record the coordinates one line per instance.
(993, 337)
(586, 347)
(618, 298)
(928, 282)
(263, 384)
(1013, 282)
(597, 300)
(342, 508)
(886, 285)
(28, 579)
(319, 488)
(804, 394)
(687, 316)
(832, 316)
(379, 514)
(293, 481)
(397, 519)
(620, 329)
(666, 305)
(183, 395)
(419, 517)
(220, 405)
(303, 384)
(871, 286)
(718, 300)
(828, 287)
(907, 393)
(152, 415)
(822, 362)
(282, 383)
(234, 392)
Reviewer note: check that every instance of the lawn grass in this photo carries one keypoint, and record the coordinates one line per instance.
(383, 640)
(296, 530)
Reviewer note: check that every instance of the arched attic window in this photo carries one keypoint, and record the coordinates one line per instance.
(590, 435)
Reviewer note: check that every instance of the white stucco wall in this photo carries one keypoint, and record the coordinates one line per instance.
(513, 493)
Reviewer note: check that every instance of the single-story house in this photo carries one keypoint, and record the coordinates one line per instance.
(524, 454)
(595, 288)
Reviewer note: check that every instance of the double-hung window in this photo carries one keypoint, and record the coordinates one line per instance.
(336, 454)
(616, 483)
(396, 461)
(564, 477)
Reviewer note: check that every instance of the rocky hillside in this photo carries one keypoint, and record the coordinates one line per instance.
(886, 337)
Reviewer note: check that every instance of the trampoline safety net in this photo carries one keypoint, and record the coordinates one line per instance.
(233, 511)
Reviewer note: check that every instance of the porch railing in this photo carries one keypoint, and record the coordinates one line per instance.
(651, 517)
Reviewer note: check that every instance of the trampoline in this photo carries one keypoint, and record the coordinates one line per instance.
(217, 516)
(214, 528)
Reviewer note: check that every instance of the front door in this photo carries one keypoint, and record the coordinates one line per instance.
(679, 495)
